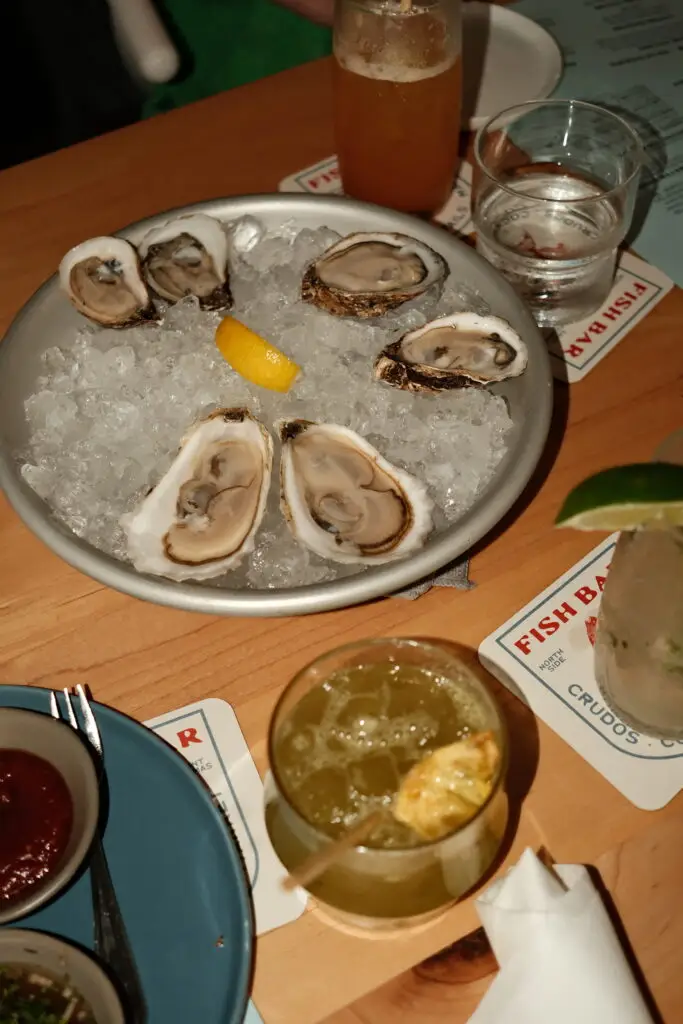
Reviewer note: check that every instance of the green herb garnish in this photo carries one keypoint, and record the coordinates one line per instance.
(26, 1000)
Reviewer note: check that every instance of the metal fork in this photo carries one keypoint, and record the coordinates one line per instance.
(111, 939)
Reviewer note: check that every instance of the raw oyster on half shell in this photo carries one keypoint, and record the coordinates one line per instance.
(344, 501)
(367, 274)
(188, 256)
(201, 518)
(453, 352)
(102, 279)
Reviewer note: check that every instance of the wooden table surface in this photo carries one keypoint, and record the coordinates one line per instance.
(59, 627)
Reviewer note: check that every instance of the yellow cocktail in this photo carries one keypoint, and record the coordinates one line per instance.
(344, 734)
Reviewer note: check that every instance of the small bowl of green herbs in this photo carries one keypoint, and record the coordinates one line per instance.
(44, 980)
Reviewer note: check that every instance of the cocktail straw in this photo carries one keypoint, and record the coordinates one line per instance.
(418, 795)
(318, 863)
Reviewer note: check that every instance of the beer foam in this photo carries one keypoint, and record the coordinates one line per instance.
(388, 71)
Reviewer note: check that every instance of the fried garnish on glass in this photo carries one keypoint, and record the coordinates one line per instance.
(447, 788)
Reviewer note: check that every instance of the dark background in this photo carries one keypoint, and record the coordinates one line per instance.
(61, 77)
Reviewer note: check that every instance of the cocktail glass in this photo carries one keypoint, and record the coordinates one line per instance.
(554, 190)
(343, 734)
(639, 639)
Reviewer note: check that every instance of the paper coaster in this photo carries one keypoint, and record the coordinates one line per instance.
(319, 179)
(578, 348)
(575, 350)
(544, 654)
(253, 1016)
(323, 179)
(208, 735)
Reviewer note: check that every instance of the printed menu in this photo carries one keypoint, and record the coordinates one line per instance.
(628, 55)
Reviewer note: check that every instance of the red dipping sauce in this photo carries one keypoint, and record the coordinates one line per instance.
(36, 815)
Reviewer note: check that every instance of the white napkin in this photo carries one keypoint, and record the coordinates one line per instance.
(560, 959)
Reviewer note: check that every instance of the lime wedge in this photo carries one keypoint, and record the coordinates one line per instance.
(647, 494)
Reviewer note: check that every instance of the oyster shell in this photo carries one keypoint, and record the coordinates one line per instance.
(343, 500)
(201, 518)
(103, 281)
(452, 352)
(366, 274)
(188, 256)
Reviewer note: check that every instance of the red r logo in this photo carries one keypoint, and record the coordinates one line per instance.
(188, 736)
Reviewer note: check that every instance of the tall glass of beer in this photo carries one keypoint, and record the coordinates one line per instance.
(397, 98)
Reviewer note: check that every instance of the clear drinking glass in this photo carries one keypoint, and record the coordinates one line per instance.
(639, 639)
(397, 99)
(554, 189)
(344, 732)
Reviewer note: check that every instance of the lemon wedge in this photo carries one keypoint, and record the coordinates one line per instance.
(253, 357)
(449, 786)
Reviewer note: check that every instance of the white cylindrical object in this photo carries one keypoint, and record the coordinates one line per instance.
(144, 40)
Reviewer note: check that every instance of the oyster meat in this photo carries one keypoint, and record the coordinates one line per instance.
(344, 501)
(103, 281)
(201, 518)
(367, 274)
(453, 352)
(188, 256)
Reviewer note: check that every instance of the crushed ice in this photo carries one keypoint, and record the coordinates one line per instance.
(108, 414)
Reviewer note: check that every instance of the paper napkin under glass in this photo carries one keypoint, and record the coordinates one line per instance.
(560, 959)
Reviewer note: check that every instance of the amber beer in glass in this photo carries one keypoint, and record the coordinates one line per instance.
(397, 99)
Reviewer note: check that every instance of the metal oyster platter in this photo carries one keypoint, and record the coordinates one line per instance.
(49, 320)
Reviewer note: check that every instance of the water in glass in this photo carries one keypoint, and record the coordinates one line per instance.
(548, 250)
(639, 641)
